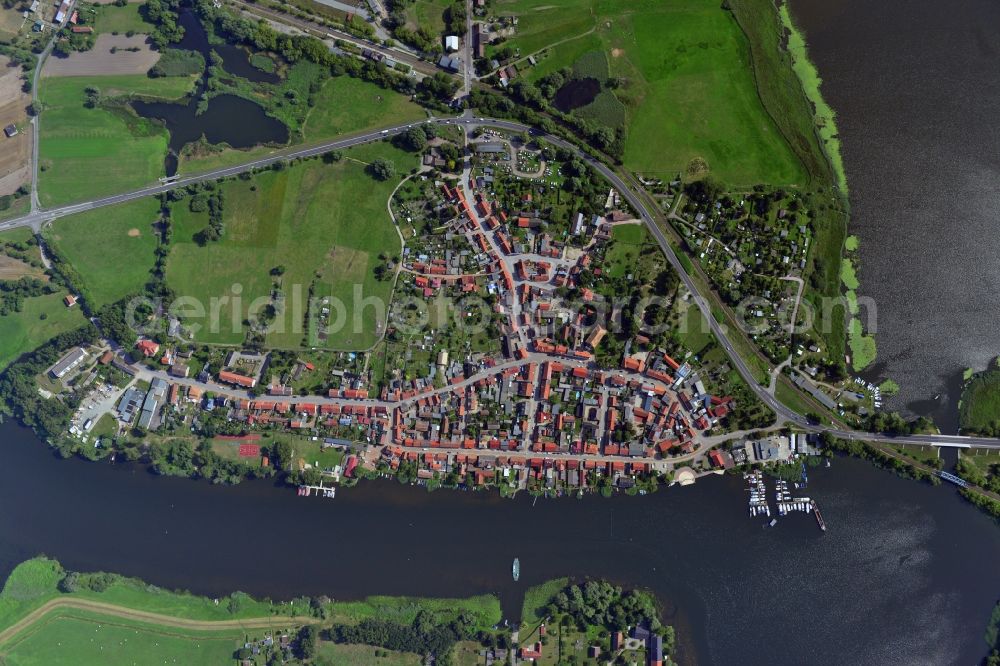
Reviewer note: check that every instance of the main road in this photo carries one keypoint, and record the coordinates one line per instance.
(37, 219)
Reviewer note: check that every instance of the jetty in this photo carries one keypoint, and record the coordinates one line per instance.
(319, 491)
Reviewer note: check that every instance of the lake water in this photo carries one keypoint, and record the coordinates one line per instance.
(228, 119)
(906, 572)
(915, 88)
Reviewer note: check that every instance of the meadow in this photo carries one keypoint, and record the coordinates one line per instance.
(85, 638)
(325, 224)
(40, 319)
(688, 83)
(111, 248)
(115, 19)
(90, 152)
(427, 14)
(346, 104)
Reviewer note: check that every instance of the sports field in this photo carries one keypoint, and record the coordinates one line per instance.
(85, 153)
(687, 82)
(346, 104)
(110, 248)
(325, 224)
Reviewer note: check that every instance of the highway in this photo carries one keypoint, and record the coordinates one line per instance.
(37, 219)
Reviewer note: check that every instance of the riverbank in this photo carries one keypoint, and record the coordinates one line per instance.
(135, 620)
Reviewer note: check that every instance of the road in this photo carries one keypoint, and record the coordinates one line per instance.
(36, 219)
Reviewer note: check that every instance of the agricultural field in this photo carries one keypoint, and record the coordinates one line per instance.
(15, 158)
(110, 248)
(346, 104)
(112, 55)
(89, 152)
(324, 224)
(41, 318)
(687, 84)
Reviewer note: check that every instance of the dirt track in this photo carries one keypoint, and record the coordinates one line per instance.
(100, 61)
(145, 616)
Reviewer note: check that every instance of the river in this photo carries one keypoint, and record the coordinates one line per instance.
(906, 572)
(915, 89)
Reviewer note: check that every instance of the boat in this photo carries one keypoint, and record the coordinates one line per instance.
(774, 521)
(819, 517)
(516, 569)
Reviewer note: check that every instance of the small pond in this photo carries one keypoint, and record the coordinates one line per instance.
(576, 93)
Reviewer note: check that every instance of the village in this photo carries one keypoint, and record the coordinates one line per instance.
(525, 398)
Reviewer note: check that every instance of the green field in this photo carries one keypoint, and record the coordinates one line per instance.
(427, 14)
(111, 248)
(346, 104)
(86, 153)
(335, 654)
(81, 637)
(694, 96)
(324, 223)
(112, 18)
(545, 22)
(26, 330)
(689, 86)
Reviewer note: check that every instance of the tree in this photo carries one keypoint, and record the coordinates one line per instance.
(382, 169)
(307, 642)
(413, 139)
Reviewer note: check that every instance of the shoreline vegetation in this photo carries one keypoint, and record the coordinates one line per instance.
(823, 114)
(862, 347)
(106, 616)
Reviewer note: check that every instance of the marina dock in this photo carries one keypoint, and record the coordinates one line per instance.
(319, 491)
